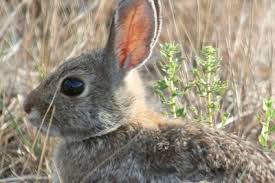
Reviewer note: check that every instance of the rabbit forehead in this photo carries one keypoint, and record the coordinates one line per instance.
(84, 65)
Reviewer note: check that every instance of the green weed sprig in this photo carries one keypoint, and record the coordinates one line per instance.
(207, 83)
(167, 88)
(267, 129)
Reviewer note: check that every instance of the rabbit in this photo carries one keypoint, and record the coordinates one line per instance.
(95, 104)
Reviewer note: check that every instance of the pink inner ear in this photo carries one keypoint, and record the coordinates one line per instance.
(135, 31)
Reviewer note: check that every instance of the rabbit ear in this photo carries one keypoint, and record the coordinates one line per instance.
(134, 32)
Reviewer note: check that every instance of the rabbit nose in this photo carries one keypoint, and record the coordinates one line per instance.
(28, 103)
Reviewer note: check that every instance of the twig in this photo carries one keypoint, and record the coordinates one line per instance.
(234, 119)
(9, 20)
(24, 178)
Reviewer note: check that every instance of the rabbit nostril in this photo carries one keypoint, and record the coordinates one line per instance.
(27, 106)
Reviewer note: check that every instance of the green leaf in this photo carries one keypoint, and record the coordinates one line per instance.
(272, 129)
(262, 141)
(162, 85)
(180, 112)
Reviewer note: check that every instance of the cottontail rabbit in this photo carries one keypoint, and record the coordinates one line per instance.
(110, 135)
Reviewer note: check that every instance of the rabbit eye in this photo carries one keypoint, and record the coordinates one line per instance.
(72, 87)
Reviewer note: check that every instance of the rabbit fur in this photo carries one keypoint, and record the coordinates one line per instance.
(108, 132)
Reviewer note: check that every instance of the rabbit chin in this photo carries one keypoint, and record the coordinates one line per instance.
(82, 134)
(67, 133)
(36, 120)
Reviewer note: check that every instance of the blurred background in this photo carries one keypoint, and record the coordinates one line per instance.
(36, 36)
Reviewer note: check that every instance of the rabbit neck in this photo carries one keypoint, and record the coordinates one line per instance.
(136, 111)
(98, 151)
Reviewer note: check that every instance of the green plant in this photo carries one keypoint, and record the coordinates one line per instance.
(207, 84)
(267, 128)
(167, 88)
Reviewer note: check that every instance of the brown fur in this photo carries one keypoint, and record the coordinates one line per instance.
(109, 133)
(153, 149)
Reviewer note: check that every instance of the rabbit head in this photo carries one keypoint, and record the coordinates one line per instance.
(87, 96)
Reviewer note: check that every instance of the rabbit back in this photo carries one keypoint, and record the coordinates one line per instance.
(171, 153)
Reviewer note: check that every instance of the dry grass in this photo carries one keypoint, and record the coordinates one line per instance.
(37, 35)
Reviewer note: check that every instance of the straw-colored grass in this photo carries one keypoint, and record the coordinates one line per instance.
(36, 36)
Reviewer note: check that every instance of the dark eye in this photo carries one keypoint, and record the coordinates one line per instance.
(72, 86)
